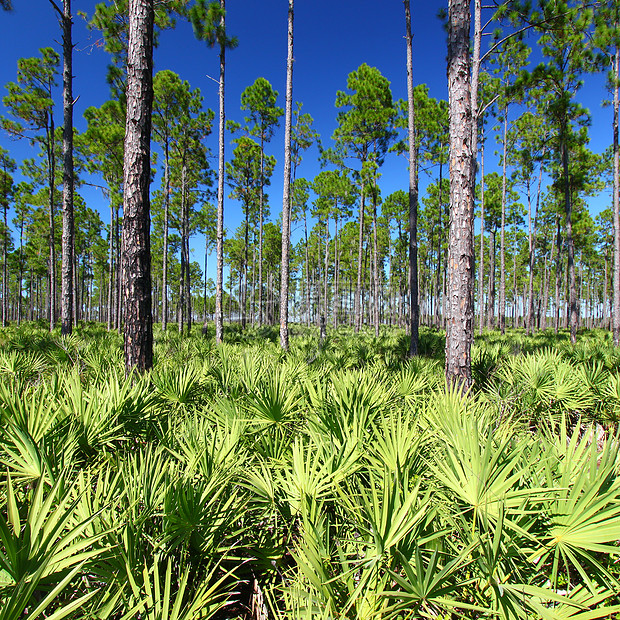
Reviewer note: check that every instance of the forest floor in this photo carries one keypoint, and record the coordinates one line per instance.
(338, 480)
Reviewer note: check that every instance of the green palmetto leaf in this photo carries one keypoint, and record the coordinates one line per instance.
(20, 453)
(481, 469)
(166, 596)
(45, 551)
(93, 422)
(429, 580)
(179, 387)
(396, 442)
(210, 444)
(34, 411)
(579, 604)
(585, 512)
(274, 400)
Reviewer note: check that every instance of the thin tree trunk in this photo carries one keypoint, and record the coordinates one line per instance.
(21, 271)
(5, 285)
(111, 261)
(502, 235)
(286, 191)
(616, 204)
(260, 235)
(219, 278)
(67, 288)
(532, 245)
(138, 326)
(481, 267)
(375, 262)
(570, 246)
(491, 295)
(558, 273)
(336, 270)
(325, 268)
(307, 283)
(413, 194)
(360, 256)
(543, 320)
(164, 277)
(51, 162)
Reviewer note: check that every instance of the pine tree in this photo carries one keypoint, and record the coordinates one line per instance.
(138, 323)
(31, 101)
(209, 23)
(460, 308)
(286, 200)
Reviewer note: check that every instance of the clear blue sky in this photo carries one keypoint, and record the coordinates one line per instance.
(332, 38)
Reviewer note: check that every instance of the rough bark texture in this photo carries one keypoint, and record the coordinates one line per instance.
(219, 235)
(616, 200)
(459, 332)
(66, 285)
(413, 195)
(138, 328)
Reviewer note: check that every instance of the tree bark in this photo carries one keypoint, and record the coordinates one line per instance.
(459, 334)
(375, 262)
(219, 278)
(502, 234)
(491, 294)
(481, 267)
(570, 245)
(138, 328)
(413, 194)
(51, 162)
(164, 283)
(616, 201)
(66, 284)
(360, 254)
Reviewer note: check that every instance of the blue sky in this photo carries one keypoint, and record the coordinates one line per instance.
(332, 38)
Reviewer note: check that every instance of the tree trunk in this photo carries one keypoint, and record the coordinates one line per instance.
(502, 234)
(164, 277)
(111, 261)
(5, 284)
(375, 262)
(286, 191)
(558, 273)
(51, 162)
(325, 268)
(481, 267)
(413, 194)
(459, 333)
(491, 295)
(616, 205)
(307, 283)
(336, 270)
(219, 278)
(261, 199)
(570, 246)
(67, 289)
(360, 256)
(21, 271)
(545, 304)
(532, 246)
(138, 328)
